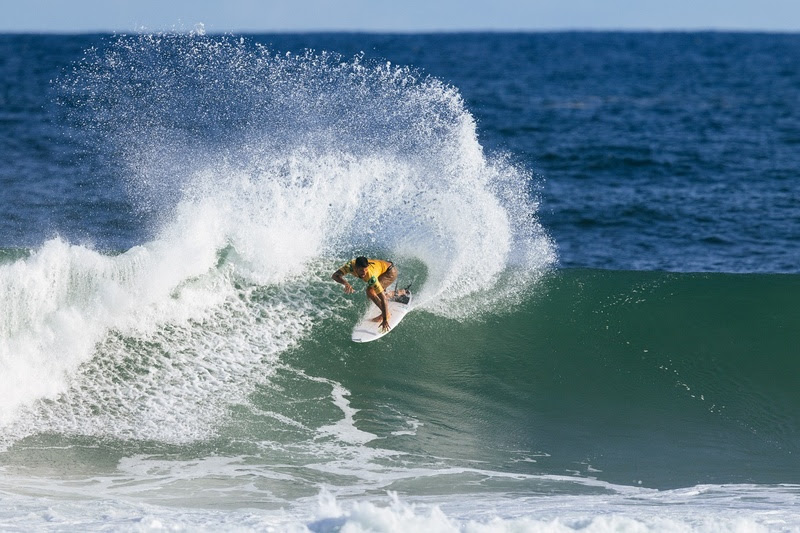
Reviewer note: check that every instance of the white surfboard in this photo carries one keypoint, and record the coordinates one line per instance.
(367, 330)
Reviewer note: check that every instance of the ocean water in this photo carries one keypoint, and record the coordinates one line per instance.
(601, 230)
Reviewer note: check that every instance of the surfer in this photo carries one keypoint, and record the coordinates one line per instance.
(377, 274)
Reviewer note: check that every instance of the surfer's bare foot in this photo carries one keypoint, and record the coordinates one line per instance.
(379, 318)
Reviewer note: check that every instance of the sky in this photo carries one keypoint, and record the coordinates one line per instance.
(249, 16)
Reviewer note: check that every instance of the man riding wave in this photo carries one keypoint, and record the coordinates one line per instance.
(377, 274)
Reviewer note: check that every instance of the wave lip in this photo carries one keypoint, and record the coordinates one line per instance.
(264, 171)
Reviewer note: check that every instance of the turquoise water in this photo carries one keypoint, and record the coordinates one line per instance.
(602, 387)
(605, 374)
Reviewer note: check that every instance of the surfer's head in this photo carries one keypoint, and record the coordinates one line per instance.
(361, 266)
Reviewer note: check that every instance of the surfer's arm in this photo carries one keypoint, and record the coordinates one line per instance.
(384, 326)
(383, 304)
(338, 277)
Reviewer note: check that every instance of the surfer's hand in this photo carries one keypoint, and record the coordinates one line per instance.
(348, 289)
(384, 327)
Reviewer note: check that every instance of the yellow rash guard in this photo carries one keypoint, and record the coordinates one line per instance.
(374, 269)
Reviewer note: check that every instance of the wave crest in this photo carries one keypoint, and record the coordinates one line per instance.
(263, 170)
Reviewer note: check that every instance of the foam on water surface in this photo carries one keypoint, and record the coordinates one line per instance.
(261, 172)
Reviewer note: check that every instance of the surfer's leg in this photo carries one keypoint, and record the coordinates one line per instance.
(386, 279)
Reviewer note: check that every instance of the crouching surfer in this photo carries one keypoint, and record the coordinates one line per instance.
(377, 274)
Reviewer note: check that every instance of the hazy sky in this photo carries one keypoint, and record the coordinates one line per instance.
(397, 15)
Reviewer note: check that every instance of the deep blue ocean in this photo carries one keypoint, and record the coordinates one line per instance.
(602, 231)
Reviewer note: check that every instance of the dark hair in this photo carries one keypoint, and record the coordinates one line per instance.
(362, 262)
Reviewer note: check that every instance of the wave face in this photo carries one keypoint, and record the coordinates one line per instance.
(665, 380)
(637, 379)
(667, 400)
(264, 172)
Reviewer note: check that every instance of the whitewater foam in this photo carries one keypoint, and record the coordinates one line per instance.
(744, 509)
(319, 156)
(265, 171)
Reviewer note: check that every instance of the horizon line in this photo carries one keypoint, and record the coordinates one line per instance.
(204, 31)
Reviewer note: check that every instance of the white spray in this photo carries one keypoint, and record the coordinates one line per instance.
(266, 170)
